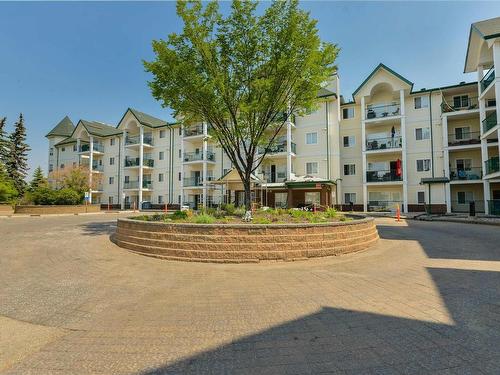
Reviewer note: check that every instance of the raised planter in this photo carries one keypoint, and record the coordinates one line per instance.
(56, 209)
(6, 209)
(241, 243)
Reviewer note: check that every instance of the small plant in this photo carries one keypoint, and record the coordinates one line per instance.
(229, 208)
(180, 215)
(157, 217)
(261, 220)
(240, 211)
(204, 219)
(331, 212)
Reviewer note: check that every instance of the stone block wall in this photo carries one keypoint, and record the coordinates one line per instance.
(56, 209)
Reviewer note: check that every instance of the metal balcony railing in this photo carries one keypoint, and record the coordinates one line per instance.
(461, 139)
(490, 121)
(280, 147)
(466, 174)
(381, 206)
(135, 185)
(492, 165)
(136, 139)
(464, 206)
(460, 103)
(383, 143)
(382, 111)
(97, 168)
(487, 79)
(383, 176)
(97, 147)
(193, 181)
(276, 177)
(193, 131)
(198, 156)
(135, 162)
(494, 206)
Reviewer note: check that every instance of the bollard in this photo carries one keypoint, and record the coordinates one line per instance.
(351, 206)
(166, 208)
(398, 214)
(472, 208)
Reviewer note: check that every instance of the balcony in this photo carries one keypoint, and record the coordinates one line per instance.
(96, 147)
(276, 177)
(383, 143)
(134, 140)
(487, 79)
(383, 206)
(198, 156)
(98, 188)
(135, 162)
(492, 165)
(196, 181)
(382, 111)
(494, 207)
(278, 148)
(383, 176)
(97, 168)
(464, 138)
(490, 121)
(466, 174)
(464, 206)
(460, 103)
(193, 131)
(131, 185)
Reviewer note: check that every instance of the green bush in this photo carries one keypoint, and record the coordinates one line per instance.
(67, 196)
(43, 196)
(204, 219)
(331, 212)
(261, 220)
(229, 208)
(180, 215)
(240, 211)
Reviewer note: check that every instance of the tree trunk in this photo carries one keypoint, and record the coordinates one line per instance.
(248, 195)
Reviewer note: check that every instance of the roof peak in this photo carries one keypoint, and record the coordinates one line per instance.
(63, 128)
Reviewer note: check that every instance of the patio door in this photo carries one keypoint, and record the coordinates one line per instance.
(273, 173)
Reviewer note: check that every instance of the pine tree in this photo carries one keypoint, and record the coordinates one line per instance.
(4, 142)
(17, 160)
(38, 180)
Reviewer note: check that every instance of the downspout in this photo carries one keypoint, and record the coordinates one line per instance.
(432, 149)
(327, 140)
(119, 166)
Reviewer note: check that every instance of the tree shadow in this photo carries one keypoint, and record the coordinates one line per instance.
(338, 341)
(99, 228)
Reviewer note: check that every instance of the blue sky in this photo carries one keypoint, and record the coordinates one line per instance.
(84, 59)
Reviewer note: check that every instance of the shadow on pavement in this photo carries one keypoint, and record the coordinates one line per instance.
(99, 228)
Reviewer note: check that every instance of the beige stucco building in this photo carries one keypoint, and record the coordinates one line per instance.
(390, 146)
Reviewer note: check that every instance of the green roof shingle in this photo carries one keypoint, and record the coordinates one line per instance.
(148, 120)
(64, 128)
(99, 129)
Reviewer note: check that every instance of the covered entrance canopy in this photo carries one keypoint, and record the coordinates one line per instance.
(232, 187)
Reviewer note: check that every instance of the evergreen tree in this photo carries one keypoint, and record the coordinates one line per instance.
(7, 190)
(38, 180)
(4, 142)
(17, 160)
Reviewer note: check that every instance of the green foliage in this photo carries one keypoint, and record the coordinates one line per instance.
(179, 215)
(203, 219)
(38, 180)
(4, 142)
(43, 195)
(17, 159)
(67, 196)
(330, 212)
(241, 72)
(77, 179)
(240, 211)
(261, 220)
(229, 208)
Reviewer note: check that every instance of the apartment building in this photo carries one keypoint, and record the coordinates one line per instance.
(390, 146)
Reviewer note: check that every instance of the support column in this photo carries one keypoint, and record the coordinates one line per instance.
(446, 161)
(484, 143)
(403, 153)
(182, 165)
(363, 152)
(141, 160)
(288, 149)
(78, 145)
(205, 158)
(122, 169)
(91, 162)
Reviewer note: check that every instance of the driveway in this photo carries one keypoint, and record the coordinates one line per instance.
(424, 300)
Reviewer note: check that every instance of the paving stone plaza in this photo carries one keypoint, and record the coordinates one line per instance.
(424, 300)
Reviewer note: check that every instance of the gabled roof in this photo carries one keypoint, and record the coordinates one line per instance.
(386, 68)
(66, 141)
(98, 128)
(480, 31)
(323, 93)
(63, 129)
(144, 119)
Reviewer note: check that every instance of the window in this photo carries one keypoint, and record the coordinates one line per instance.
(180, 156)
(464, 164)
(112, 142)
(311, 167)
(421, 102)
(311, 138)
(74, 164)
(349, 169)
(162, 135)
(350, 197)
(61, 166)
(423, 165)
(111, 161)
(347, 113)
(180, 133)
(280, 200)
(461, 101)
(464, 197)
(63, 149)
(74, 148)
(422, 133)
(51, 167)
(162, 155)
(312, 197)
(179, 199)
(421, 197)
(160, 177)
(179, 176)
(112, 180)
(51, 152)
(491, 102)
(160, 199)
(349, 141)
(462, 133)
(127, 179)
(110, 200)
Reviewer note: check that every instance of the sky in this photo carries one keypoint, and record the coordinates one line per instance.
(84, 59)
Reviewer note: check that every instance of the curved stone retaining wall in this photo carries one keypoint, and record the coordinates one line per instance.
(56, 209)
(238, 243)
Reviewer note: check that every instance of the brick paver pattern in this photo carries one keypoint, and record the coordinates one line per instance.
(424, 300)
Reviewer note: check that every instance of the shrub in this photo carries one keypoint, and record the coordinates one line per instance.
(261, 220)
(43, 195)
(229, 208)
(180, 215)
(240, 211)
(204, 219)
(331, 212)
(67, 196)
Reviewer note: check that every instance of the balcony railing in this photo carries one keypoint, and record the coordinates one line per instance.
(135, 162)
(494, 207)
(280, 147)
(97, 168)
(98, 187)
(487, 79)
(136, 139)
(193, 131)
(464, 206)
(97, 147)
(492, 165)
(383, 205)
(382, 111)
(383, 176)
(490, 121)
(466, 174)
(198, 156)
(460, 103)
(462, 139)
(135, 185)
(277, 177)
(383, 143)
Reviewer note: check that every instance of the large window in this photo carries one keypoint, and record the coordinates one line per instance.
(464, 164)
(422, 133)
(461, 101)
(349, 169)
(312, 167)
(421, 102)
(462, 133)
(349, 141)
(160, 199)
(465, 196)
(111, 161)
(280, 199)
(311, 138)
(312, 197)
(421, 197)
(350, 198)
(423, 165)
(347, 113)
(112, 142)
